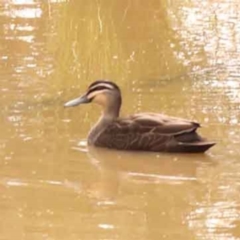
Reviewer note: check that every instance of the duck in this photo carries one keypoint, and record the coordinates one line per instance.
(154, 132)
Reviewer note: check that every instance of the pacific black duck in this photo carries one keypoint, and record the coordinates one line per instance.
(142, 131)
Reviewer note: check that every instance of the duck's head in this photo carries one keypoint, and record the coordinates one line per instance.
(104, 93)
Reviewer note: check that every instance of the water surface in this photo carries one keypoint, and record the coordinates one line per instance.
(175, 57)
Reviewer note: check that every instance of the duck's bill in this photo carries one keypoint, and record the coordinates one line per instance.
(77, 101)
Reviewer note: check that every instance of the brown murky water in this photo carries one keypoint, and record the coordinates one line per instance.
(177, 57)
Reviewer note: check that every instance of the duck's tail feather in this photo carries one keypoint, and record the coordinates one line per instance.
(195, 147)
(189, 136)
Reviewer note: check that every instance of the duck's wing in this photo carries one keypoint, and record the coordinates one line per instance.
(163, 124)
(152, 132)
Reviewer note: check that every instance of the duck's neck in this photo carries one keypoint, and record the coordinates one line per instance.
(109, 114)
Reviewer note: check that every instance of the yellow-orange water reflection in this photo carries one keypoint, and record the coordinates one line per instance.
(176, 57)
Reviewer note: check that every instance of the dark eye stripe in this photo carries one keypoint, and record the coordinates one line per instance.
(98, 88)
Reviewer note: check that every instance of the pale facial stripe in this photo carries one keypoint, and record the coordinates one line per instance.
(92, 94)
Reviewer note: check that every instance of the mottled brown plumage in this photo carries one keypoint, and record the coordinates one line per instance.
(140, 132)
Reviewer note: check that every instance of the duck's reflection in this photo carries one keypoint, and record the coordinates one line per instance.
(119, 168)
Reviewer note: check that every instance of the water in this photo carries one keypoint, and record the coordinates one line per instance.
(174, 57)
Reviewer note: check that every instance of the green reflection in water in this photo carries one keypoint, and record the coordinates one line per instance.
(118, 40)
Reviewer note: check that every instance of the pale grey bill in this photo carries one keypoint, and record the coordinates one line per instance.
(76, 101)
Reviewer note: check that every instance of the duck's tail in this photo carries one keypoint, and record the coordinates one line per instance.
(195, 147)
(192, 142)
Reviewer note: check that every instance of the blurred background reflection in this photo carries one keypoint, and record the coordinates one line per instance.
(175, 57)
